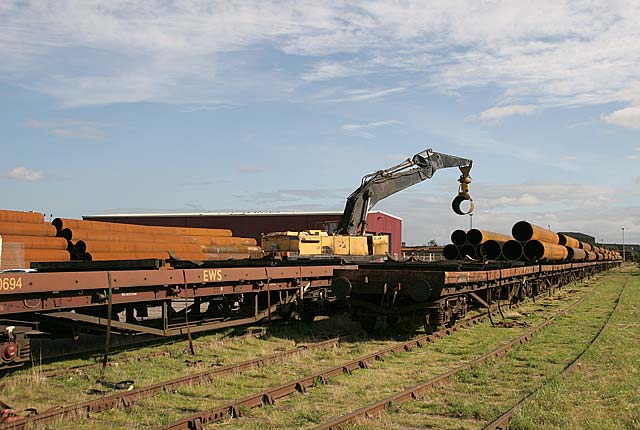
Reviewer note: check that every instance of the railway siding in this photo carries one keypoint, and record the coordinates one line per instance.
(343, 393)
(480, 394)
(157, 363)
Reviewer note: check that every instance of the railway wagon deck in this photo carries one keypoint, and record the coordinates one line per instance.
(156, 301)
(433, 295)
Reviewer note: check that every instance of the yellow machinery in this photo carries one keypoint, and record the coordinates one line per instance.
(317, 242)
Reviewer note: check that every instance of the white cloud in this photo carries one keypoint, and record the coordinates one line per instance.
(499, 112)
(328, 70)
(627, 117)
(543, 194)
(23, 174)
(525, 199)
(633, 157)
(71, 128)
(362, 94)
(362, 130)
(368, 125)
(542, 53)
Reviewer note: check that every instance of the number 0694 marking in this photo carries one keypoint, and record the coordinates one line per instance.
(9, 284)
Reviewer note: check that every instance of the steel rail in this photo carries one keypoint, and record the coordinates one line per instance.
(415, 392)
(130, 397)
(124, 348)
(270, 395)
(503, 420)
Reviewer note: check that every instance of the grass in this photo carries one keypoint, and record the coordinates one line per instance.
(168, 361)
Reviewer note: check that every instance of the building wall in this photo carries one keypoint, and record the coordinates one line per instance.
(256, 224)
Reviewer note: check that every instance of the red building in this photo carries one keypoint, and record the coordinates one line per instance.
(254, 224)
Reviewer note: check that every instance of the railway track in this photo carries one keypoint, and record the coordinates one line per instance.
(502, 422)
(269, 396)
(130, 397)
(418, 391)
(96, 354)
(235, 408)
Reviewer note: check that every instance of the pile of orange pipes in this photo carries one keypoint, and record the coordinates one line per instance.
(99, 241)
(527, 242)
(25, 237)
(475, 244)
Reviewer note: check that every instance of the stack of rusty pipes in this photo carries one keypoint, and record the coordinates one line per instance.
(25, 238)
(535, 243)
(475, 244)
(95, 241)
(527, 242)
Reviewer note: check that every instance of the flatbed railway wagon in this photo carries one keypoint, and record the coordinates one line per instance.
(411, 294)
(146, 297)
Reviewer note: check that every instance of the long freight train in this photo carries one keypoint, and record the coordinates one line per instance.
(147, 297)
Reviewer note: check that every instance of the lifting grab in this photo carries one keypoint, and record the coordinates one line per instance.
(463, 192)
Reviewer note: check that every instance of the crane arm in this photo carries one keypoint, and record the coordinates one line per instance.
(383, 183)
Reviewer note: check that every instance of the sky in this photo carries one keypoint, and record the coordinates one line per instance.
(257, 105)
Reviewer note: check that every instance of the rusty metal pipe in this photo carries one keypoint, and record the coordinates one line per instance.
(111, 246)
(27, 229)
(38, 242)
(451, 252)
(524, 231)
(512, 250)
(21, 217)
(62, 223)
(537, 250)
(468, 250)
(21, 258)
(232, 249)
(478, 237)
(223, 241)
(113, 236)
(492, 249)
(576, 254)
(200, 256)
(458, 237)
(566, 240)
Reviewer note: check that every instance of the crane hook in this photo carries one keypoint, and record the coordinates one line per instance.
(463, 192)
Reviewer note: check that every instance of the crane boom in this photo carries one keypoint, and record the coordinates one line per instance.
(383, 183)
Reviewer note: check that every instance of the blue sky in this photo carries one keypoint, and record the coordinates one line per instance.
(257, 105)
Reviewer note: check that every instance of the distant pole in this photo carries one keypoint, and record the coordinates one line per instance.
(470, 221)
(549, 227)
(624, 257)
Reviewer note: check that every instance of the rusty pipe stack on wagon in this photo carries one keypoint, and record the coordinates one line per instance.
(528, 242)
(490, 243)
(100, 241)
(538, 244)
(543, 245)
(25, 237)
(475, 244)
